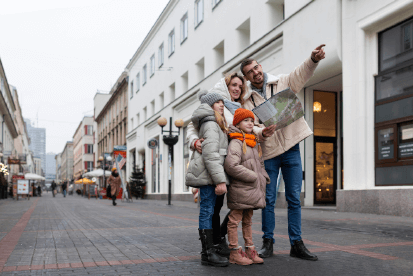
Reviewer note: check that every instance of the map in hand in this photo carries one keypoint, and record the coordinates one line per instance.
(282, 109)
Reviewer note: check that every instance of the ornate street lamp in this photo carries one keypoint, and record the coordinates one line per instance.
(104, 159)
(170, 140)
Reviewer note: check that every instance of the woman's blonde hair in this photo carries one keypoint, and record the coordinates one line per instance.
(229, 77)
(221, 122)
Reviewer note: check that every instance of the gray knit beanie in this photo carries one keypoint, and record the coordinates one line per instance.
(209, 97)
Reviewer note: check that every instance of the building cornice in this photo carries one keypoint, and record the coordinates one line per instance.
(152, 32)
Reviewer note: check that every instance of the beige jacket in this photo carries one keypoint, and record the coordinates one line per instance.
(285, 138)
(248, 177)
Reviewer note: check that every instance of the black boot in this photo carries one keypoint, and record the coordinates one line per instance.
(222, 248)
(299, 250)
(209, 255)
(266, 249)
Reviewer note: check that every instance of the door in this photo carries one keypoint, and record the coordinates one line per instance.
(325, 147)
(325, 174)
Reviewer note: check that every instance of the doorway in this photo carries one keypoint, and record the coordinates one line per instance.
(325, 147)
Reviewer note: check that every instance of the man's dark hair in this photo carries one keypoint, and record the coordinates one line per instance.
(246, 62)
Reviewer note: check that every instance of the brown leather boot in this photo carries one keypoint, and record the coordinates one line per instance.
(237, 256)
(253, 255)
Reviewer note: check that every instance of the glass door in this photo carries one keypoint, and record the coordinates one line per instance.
(325, 174)
(325, 147)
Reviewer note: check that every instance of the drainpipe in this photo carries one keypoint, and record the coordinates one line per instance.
(2, 131)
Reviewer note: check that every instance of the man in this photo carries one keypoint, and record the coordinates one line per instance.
(280, 149)
(114, 182)
(53, 188)
(64, 188)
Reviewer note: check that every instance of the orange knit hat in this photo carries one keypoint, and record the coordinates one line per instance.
(241, 114)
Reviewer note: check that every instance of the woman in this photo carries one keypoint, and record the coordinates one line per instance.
(206, 171)
(232, 89)
(114, 182)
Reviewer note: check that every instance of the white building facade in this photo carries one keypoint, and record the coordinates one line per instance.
(194, 43)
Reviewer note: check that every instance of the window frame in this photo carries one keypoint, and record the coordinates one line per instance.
(395, 124)
(131, 89)
(184, 24)
(161, 50)
(215, 3)
(138, 82)
(145, 74)
(171, 43)
(198, 22)
(152, 68)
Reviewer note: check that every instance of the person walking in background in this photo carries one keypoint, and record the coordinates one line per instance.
(281, 148)
(114, 182)
(54, 188)
(39, 191)
(206, 170)
(246, 192)
(64, 188)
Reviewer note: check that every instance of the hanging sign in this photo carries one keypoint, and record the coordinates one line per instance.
(153, 144)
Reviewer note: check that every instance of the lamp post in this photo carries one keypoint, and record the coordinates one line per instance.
(104, 159)
(170, 140)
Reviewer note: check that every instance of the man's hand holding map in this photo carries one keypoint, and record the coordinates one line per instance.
(281, 109)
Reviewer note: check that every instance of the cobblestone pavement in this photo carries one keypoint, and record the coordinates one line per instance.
(77, 236)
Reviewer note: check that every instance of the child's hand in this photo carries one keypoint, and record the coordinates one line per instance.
(198, 145)
(221, 188)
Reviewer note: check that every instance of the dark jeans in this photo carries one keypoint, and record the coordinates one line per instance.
(114, 198)
(292, 172)
(218, 229)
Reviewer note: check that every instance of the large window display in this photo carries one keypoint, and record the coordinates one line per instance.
(393, 106)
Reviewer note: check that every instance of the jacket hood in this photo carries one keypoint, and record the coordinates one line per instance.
(202, 114)
(233, 129)
(271, 80)
(222, 89)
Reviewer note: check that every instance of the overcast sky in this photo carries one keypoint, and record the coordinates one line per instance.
(59, 53)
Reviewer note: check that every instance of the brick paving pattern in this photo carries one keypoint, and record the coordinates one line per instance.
(77, 236)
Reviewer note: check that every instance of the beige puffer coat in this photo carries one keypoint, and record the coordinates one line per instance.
(285, 138)
(248, 177)
(207, 168)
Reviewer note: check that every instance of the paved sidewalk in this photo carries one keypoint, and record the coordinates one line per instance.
(77, 236)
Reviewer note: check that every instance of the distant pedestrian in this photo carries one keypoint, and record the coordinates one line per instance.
(39, 191)
(246, 192)
(64, 188)
(54, 188)
(114, 182)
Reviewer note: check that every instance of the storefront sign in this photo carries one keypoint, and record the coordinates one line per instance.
(23, 187)
(406, 150)
(385, 144)
(13, 161)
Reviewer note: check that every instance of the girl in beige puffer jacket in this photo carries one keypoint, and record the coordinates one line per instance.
(248, 179)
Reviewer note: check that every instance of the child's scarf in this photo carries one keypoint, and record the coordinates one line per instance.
(247, 139)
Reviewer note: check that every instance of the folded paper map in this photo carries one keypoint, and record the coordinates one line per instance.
(281, 109)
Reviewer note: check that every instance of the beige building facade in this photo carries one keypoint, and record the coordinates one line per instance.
(112, 121)
(83, 147)
(66, 170)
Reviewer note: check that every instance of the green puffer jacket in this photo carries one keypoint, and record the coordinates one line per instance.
(207, 168)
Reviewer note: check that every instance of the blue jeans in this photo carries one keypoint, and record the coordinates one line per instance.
(64, 193)
(207, 204)
(290, 164)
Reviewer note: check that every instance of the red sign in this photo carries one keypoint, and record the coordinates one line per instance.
(121, 152)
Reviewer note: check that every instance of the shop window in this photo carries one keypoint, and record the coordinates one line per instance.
(393, 106)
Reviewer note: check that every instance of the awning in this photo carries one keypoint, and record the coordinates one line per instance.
(84, 181)
(97, 173)
(33, 176)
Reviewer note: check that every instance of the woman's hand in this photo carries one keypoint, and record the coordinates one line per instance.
(198, 145)
(221, 188)
(268, 131)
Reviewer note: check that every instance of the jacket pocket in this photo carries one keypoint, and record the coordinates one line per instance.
(223, 152)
